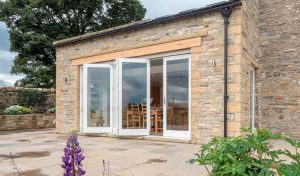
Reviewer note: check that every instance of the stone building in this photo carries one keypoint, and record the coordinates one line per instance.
(188, 76)
(278, 74)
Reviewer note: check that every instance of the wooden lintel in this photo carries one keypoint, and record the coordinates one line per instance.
(142, 51)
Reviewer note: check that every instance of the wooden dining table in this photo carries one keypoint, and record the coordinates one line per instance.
(154, 113)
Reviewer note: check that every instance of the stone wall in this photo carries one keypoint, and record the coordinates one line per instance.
(208, 79)
(278, 77)
(26, 121)
(8, 97)
(207, 70)
(263, 34)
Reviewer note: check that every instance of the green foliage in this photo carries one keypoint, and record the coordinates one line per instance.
(296, 145)
(1, 111)
(31, 98)
(52, 110)
(289, 170)
(292, 169)
(249, 155)
(17, 110)
(36, 24)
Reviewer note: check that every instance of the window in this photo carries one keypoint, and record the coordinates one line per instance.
(252, 99)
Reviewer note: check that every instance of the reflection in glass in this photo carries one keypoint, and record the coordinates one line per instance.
(177, 94)
(134, 95)
(98, 97)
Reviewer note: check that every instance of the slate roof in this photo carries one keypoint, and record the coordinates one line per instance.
(148, 22)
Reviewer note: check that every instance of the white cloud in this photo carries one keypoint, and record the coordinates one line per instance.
(6, 59)
(4, 37)
(3, 26)
(7, 55)
(10, 79)
(4, 84)
(157, 8)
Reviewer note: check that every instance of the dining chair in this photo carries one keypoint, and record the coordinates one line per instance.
(144, 115)
(128, 114)
(160, 120)
(170, 117)
(182, 118)
(135, 116)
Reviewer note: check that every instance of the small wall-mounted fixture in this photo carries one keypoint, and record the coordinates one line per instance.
(213, 63)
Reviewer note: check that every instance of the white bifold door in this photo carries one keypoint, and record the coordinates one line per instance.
(97, 98)
(176, 75)
(134, 93)
(116, 97)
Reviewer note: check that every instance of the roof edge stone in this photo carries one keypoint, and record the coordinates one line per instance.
(139, 24)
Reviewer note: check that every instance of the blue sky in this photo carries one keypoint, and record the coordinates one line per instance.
(6, 58)
(155, 8)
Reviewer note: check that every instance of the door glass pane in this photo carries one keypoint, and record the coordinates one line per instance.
(98, 114)
(177, 94)
(134, 95)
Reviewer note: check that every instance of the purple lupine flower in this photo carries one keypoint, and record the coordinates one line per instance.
(72, 157)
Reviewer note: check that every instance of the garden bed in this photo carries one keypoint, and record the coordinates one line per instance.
(26, 121)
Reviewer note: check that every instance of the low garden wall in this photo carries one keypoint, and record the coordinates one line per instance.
(37, 99)
(26, 121)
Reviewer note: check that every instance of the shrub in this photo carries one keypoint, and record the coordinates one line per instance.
(289, 170)
(31, 98)
(292, 169)
(1, 111)
(17, 110)
(249, 155)
(2, 108)
(51, 110)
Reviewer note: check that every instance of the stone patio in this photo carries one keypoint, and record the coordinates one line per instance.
(38, 153)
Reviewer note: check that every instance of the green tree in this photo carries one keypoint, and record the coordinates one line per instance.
(36, 24)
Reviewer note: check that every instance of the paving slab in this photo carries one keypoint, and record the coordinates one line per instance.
(38, 153)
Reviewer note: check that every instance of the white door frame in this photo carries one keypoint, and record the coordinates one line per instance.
(252, 87)
(133, 132)
(175, 133)
(84, 97)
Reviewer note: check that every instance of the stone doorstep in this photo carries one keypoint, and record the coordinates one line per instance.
(149, 138)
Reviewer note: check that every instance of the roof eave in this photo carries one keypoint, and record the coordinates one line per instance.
(133, 26)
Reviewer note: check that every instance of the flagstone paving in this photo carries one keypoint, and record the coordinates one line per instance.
(38, 153)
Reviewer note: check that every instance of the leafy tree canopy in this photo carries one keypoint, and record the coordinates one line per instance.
(36, 24)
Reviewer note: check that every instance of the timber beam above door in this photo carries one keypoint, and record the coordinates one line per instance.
(142, 51)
